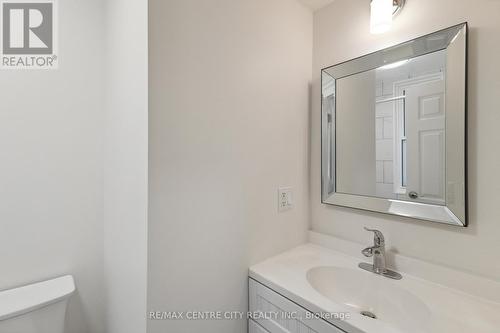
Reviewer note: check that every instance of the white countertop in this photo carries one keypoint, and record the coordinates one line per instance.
(450, 310)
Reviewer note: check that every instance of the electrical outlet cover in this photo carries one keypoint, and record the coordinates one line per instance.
(285, 198)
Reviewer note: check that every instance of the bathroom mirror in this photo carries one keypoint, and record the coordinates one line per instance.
(394, 129)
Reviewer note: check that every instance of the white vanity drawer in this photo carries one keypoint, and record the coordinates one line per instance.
(253, 327)
(266, 301)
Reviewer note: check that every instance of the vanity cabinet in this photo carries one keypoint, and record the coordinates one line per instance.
(273, 313)
(253, 327)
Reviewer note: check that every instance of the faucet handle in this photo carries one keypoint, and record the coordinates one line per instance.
(378, 236)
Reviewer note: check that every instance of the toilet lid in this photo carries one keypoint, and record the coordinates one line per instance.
(17, 301)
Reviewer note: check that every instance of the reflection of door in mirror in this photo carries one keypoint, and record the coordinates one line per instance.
(410, 130)
(426, 141)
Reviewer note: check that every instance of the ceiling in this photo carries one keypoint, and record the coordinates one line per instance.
(316, 4)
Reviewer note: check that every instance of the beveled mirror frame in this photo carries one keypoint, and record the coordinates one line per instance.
(455, 211)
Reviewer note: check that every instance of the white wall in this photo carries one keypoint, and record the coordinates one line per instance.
(51, 131)
(341, 32)
(126, 163)
(355, 152)
(228, 126)
(66, 137)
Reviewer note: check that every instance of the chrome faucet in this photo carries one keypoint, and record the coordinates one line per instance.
(377, 251)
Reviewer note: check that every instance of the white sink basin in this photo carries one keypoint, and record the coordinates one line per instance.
(363, 292)
(326, 281)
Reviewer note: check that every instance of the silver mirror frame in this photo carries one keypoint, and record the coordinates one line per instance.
(455, 212)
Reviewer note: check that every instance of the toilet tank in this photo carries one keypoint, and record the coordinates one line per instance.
(36, 308)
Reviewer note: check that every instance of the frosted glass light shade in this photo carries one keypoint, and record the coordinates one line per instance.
(381, 16)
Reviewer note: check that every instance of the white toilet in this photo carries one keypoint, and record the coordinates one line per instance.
(36, 308)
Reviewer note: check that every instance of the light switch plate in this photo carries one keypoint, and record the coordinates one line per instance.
(285, 198)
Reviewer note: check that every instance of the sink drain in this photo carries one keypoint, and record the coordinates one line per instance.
(368, 314)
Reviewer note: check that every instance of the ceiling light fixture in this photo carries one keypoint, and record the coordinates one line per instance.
(382, 12)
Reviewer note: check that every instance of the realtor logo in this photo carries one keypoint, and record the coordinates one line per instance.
(28, 34)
